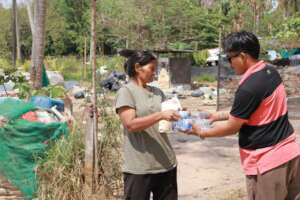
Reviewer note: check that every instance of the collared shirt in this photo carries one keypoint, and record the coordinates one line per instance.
(267, 139)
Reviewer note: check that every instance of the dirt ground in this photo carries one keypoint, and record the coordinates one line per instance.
(210, 169)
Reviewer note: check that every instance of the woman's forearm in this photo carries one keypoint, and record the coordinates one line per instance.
(141, 123)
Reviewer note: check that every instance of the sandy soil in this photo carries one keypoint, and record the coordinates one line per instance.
(210, 169)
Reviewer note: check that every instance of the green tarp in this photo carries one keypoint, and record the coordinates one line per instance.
(287, 53)
(21, 142)
(45, 79)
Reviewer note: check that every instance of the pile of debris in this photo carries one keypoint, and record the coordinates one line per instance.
(206, 94)
(114, 81)
(25, 132)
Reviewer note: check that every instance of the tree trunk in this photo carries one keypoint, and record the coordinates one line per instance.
(14, 37)
(288, 8)
(91, 51)
(38, 42)
(30, 14)
(254, 11)
(298, 5)
(19, 55)
(84, 59)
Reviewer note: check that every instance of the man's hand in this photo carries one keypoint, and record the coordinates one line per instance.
(196, 130)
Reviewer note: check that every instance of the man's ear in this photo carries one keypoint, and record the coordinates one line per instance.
(244, 55)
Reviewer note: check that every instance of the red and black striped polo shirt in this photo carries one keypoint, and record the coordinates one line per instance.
(260, 100)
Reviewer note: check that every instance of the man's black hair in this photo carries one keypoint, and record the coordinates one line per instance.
(242, 41)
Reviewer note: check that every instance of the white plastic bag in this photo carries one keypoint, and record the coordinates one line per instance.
(165, 126)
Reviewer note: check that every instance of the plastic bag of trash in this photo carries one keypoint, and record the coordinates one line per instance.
(3, 121)
(165, 126)
(55, 78)
(46, 102)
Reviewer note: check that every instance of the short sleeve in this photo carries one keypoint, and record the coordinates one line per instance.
(161, 93)
(124, 98)
(245, 103)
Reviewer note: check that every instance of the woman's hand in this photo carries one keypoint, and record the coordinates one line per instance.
(170, 115)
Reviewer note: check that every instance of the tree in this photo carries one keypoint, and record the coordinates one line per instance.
(5, 33)
(14, 37)
(30, 14)
(16, 34)
(68, 24)
(38, 42)
(297, 5)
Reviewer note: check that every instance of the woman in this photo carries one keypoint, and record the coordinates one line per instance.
(149, 160)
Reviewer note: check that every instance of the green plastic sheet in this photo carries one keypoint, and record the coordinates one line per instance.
(21, 142)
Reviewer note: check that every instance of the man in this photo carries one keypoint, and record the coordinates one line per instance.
(269, 154)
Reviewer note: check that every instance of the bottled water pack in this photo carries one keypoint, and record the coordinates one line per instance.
(188, 119)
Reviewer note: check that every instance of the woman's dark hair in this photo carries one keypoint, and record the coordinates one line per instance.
(242, 41)
(136, 57)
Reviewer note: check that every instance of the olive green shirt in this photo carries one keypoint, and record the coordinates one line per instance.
(146, 151)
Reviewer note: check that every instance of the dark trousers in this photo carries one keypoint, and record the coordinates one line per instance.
(162, 185)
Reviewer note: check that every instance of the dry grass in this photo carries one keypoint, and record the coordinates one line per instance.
(61, 172)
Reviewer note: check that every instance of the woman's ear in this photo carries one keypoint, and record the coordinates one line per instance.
(137, 67)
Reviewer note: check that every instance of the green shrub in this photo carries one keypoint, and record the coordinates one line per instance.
(200, 57)
(26, 65)
(52, 91)
(180, 46)
(114, 63)
(4, 64)
(70, 67)
(205, 78)
(24, 90)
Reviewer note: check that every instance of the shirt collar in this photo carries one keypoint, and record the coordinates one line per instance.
(254, 68)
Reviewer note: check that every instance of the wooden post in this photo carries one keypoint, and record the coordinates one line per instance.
(95, 119)
(84, 60)
(89, 145)
(91, 137)
(14, 37)
(219, 70)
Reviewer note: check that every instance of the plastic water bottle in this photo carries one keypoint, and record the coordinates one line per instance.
(201, 119)
(182, 125)
(204, 124)
(185, 123)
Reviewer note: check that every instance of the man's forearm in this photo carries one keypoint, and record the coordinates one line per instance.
(219, 130)
(221, 115)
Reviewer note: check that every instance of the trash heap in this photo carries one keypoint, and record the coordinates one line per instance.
(25, 133)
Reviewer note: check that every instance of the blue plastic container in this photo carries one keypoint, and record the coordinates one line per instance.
(46, 102)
